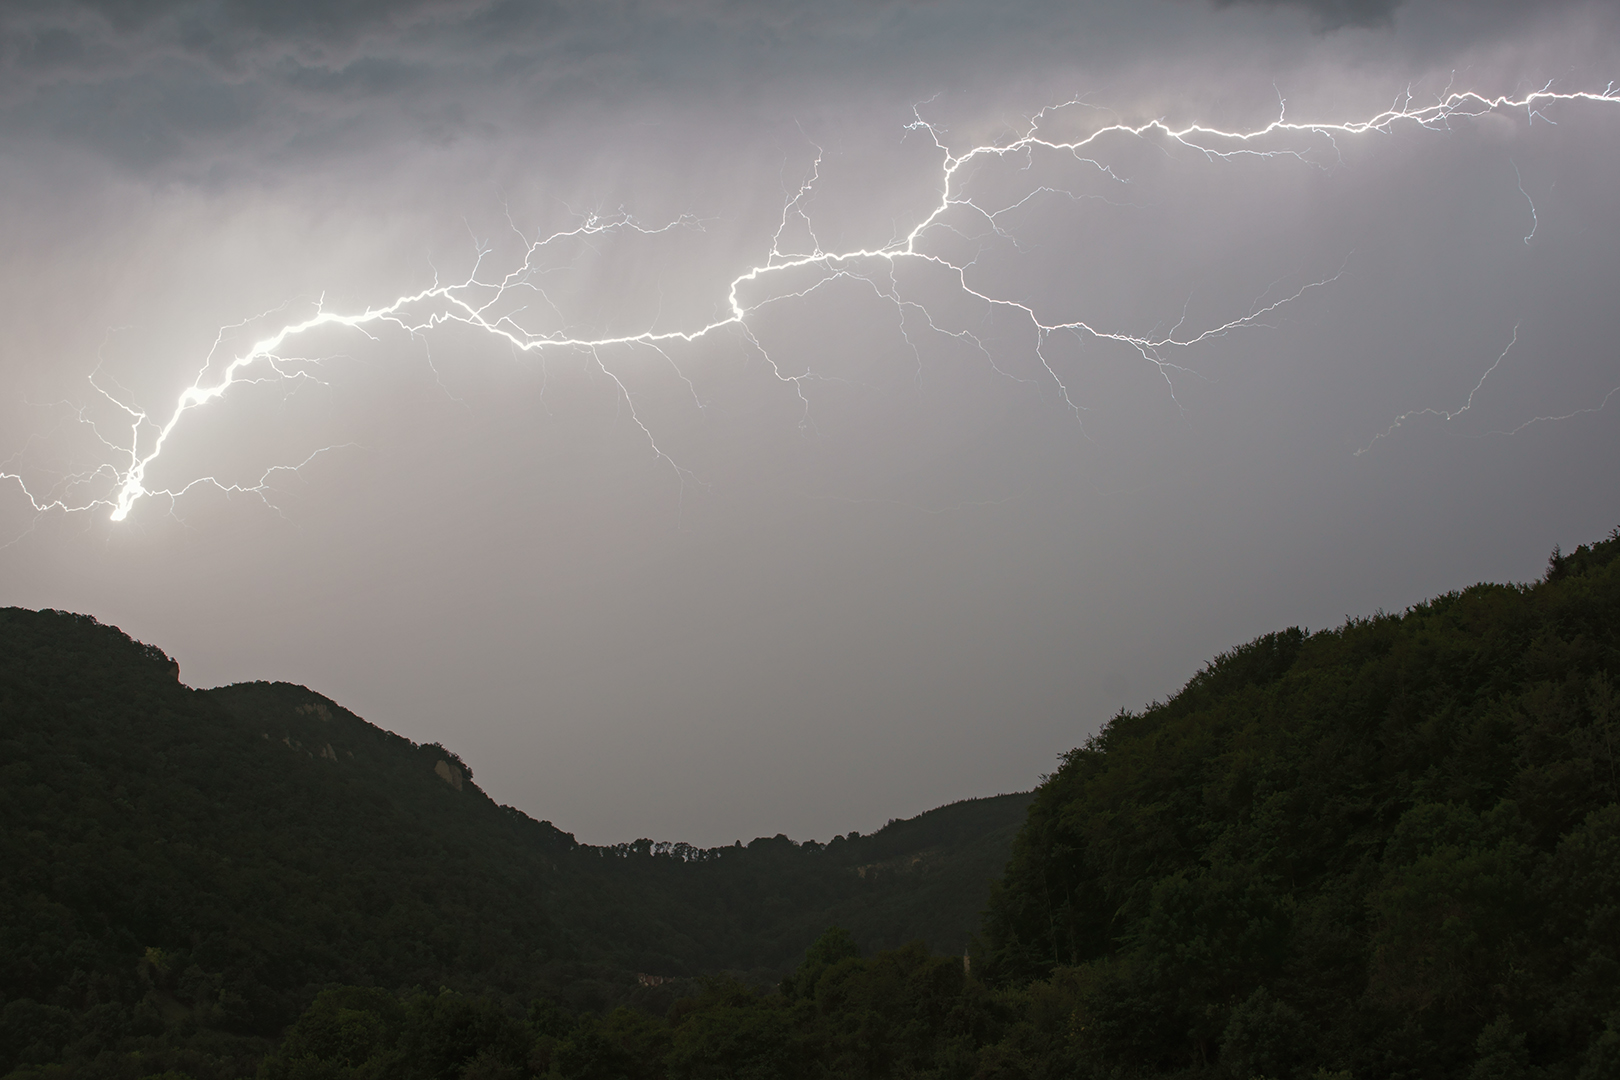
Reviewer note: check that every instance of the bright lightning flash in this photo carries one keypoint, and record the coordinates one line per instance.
(477, 301)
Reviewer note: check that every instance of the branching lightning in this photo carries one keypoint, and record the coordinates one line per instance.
(481, 300)
(1447, 414)
(1534, 221)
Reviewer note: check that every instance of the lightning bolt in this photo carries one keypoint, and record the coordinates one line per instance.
(477, 301)
(1534, 222)
(1452, 414)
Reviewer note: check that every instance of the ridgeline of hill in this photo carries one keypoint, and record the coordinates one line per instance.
(192, 865)
(1385, 850)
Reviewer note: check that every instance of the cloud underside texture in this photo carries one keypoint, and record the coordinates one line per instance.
(1331, 14)
(155, 82)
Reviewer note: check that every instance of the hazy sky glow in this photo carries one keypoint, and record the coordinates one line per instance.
(883, 541)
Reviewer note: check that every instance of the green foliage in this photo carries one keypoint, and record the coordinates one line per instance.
(1387, 849)
(186, 869)
(831, 947)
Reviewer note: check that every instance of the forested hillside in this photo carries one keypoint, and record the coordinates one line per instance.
(184, 869)
(1391, 848)
(1386, 850)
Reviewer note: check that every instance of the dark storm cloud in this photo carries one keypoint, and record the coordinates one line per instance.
(152, 83)
(148, 59)
(45, 44)
(1332, 14)
(93, 40)
(1455, 20)
(149, 83)
(97, 40)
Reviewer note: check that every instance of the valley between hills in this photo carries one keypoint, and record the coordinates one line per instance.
(1386, 849)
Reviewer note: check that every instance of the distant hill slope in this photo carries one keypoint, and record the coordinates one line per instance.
(180, 860)
(755, 908)
(658, 907)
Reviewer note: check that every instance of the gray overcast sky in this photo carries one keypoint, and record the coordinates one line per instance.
(882, 545)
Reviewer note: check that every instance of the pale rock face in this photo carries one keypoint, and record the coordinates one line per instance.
(449, 774)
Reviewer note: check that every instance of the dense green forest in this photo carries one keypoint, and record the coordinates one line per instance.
(1386, 850)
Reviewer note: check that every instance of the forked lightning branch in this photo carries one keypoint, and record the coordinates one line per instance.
(788, 272)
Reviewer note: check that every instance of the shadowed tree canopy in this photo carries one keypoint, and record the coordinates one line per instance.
(1386, 850)
(194, 864)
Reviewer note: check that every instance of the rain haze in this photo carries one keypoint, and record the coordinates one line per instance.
(921, 508)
